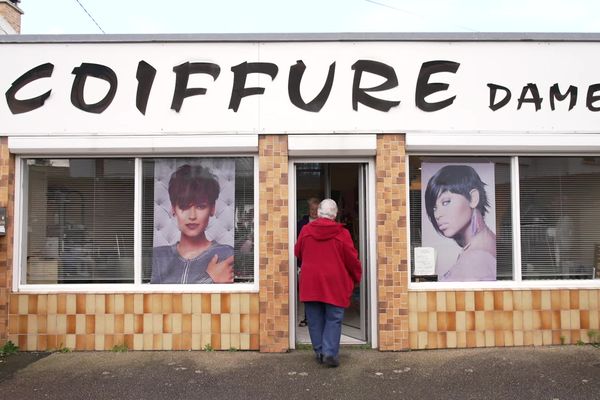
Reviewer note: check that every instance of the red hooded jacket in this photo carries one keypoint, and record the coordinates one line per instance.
(330, 264)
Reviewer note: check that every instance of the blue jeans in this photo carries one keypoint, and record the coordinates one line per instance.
(324, 327)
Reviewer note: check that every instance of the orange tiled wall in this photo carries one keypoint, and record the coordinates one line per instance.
(273, 231)
(392, 273)
(501, 318)
(7, 179)
(138, 321)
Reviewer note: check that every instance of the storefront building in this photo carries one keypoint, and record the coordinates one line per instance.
(466, 168)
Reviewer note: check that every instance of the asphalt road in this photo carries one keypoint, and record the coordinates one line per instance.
(558, 372)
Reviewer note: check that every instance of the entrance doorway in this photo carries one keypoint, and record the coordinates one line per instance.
(346, 183)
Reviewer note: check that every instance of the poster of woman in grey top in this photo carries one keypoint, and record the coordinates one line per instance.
(193, 221)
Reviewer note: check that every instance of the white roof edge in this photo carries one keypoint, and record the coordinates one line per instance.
(311, 37)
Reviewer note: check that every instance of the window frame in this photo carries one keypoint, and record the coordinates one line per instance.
(517, 283)
(20, 233)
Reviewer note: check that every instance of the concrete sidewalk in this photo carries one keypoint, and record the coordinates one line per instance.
(561, 372)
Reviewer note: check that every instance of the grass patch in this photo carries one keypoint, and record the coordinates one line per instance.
(8, 349)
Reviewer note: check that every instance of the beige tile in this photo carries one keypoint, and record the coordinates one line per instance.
(42, 307)
(167, 303)
(490, 338)
(32, 326)
(527, 320)
(451, 340)
(119, 304)
(157, 323)
(518, 321)
(167, 341)
(244, 341)
(148, 325)
(71, 305)
(196, 341)
(138, 307)
(235, 325)
(100, 304)
(80, 324)
(177, 323)
(538, 338)
(196, 303)
(69, 342)
(412, 321)
(186, 303)
(110, 323)
(479, 320)
(565, 319)
(138, 341)
(546, 337)
(518, 300)
(206, 324)
(225, 341)
(593, 299)
(244, 303)
(440, 301)
(24, 304)
(148, 341)
(423, 340)
(61, 324)
(518, 338)
(469, 301)
(196, 323)
(99, 326)
(450, 301)
(51, 324)
(507, 300)
(90, 305)
(460, 321)
(215, 303)
(432, 321)
(537, 320)
(479, 339)
(128, 324)
(508, 338)
(99, 342)
(584, 300)
(594, 317)
(527, 300)
(488, 301)
(235, 304)
(575, 322)
(234, 341)
(546, 300)
(52, 304)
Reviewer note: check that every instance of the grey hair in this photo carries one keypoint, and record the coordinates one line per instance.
(327, 209)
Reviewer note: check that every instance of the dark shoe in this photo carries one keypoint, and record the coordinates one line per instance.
(302, 323)
(331, 361)
(319, 358)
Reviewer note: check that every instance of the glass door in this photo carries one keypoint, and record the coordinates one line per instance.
(346, 184)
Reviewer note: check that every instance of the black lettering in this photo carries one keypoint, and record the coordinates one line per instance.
(183, 72)
(97, 71)
(592, 97)
(424, 88)
(535, 96)
(556, 94)
(22, 106)
(359, 95)
(145, 77)
(296, 73)
(240, 72)
(493, 89)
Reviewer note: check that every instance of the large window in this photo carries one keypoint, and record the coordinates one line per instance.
(195, 215)
(461, 218)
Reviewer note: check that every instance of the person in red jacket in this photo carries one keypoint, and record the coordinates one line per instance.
(330, 271)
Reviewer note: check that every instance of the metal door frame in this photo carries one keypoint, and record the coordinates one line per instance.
(369, 267)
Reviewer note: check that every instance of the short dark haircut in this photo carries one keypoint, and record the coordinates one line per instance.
(192, 185)
(459, 179)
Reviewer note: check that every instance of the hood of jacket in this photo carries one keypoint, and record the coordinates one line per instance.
(322, 229)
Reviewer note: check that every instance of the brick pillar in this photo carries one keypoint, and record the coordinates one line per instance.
(273, 231)
(11, 13)
(392, 272)
(7, 178)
